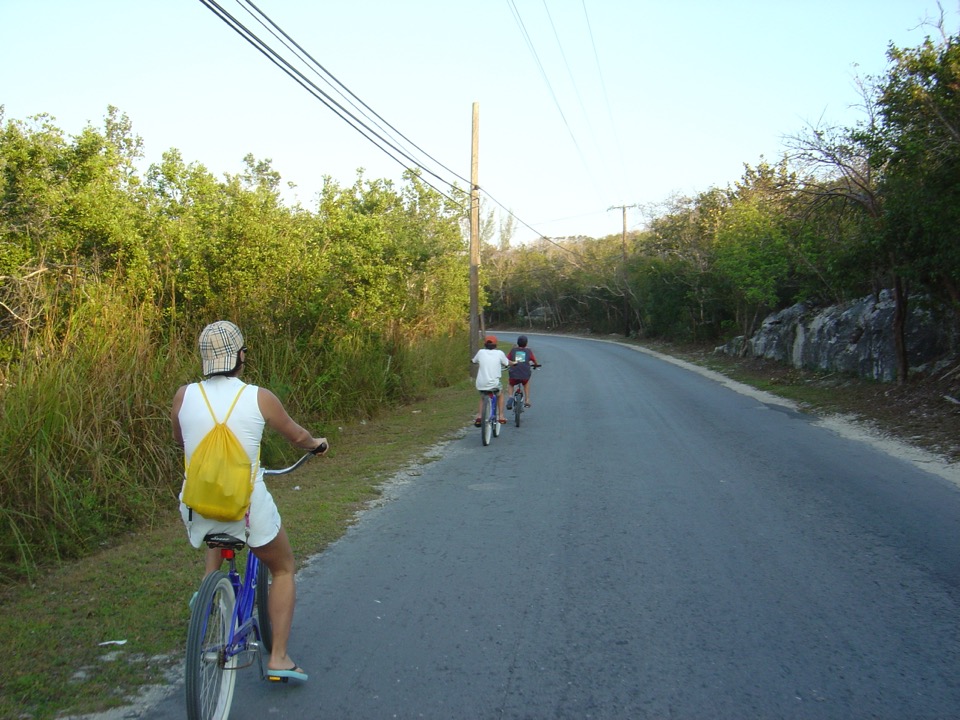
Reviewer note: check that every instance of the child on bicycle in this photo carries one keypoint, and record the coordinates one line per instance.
(491, 362)
(223, 354)
(520, 370)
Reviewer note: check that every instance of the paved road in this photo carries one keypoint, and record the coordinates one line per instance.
(650, 544)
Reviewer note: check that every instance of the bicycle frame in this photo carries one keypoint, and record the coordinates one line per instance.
(243, 620)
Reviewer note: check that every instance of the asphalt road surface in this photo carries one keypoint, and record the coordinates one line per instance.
(649, 544)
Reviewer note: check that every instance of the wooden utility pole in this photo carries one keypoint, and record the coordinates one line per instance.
(623, 268)
(475, 235)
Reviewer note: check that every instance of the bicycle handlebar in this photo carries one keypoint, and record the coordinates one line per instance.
(283, 471)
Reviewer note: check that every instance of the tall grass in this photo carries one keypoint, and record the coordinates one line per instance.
(353, 378)
(85, 430)
(82, 435)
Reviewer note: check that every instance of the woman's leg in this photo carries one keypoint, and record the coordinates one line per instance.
(278, 556)
(212, 560)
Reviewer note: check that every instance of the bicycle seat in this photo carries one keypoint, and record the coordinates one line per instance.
(223, 540)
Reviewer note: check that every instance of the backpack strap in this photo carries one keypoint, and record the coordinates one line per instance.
(232, 405)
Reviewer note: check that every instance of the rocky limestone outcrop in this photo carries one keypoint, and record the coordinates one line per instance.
(854, 338)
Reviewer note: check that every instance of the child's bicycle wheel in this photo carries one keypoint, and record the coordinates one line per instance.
(487, 421)
(495, 414)
(210, 677)
(261, 603)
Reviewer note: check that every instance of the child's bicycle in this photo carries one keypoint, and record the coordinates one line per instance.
(229, 625)
(519, 399)
(489, 417)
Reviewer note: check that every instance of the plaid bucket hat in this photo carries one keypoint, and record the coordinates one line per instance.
(219, 344)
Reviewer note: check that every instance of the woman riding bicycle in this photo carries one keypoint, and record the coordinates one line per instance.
(223, 354)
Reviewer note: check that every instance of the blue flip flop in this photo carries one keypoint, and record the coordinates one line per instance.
(295, 673)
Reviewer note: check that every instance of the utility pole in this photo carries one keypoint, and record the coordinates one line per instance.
(623, 268)
(475, 235)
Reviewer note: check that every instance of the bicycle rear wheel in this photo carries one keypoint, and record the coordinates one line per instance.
(486, 429)
(495, 410)
(517, 406)
(210, 677)
(262, 607)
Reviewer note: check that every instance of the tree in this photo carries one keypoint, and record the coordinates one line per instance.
(917, 143)
(920, 106)
(843, 169)
(684, 238)
(751, 256)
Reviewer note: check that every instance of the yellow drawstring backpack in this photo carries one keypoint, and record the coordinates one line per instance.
(219, 476)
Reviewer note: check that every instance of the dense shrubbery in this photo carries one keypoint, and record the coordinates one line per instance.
(106, 278)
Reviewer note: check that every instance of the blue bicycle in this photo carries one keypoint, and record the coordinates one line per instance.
(229, 625)
(489, 417)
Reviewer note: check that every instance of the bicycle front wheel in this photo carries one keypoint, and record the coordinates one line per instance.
(262, 605)
(210, 676)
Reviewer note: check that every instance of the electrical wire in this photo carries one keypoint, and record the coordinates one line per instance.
(345, 88)
(358, 125)
(606, 96)
(376, 138)
(566, 63)
(543, 73)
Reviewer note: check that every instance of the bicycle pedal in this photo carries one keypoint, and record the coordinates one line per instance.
(274, 678)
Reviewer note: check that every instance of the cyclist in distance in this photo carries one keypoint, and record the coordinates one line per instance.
(491, 362)
(521, 371)
(223, 354)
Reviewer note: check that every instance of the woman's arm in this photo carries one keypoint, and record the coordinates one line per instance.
(277, 418)
(175, 415)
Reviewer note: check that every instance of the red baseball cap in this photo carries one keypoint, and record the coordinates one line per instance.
(490, 339)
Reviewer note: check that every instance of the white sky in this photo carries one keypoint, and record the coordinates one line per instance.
(685, 93)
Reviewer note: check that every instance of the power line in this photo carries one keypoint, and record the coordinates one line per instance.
(371, 135)
(573, 82)
(376, 138)
(350, 92)
(606, 96)
(566, 63)
(546, 80)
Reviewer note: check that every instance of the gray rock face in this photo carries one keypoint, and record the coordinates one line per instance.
(854, 338)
